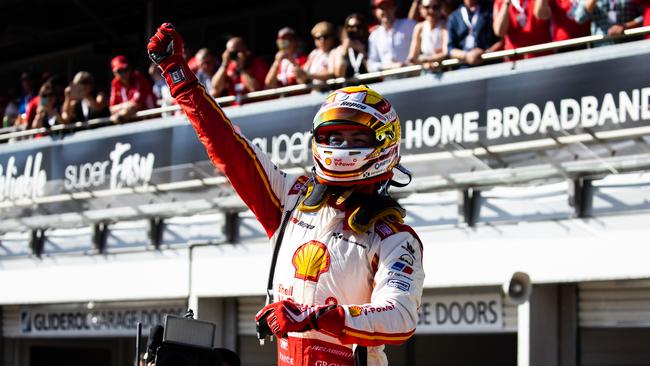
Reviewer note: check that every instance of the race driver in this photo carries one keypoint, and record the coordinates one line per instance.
(349, 272)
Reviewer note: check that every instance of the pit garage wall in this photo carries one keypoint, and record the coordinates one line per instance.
(614, 320)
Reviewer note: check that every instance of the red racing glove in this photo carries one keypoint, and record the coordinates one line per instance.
(165, 49)
(286, 316)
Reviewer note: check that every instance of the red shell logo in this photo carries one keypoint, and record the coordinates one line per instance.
(311, 260)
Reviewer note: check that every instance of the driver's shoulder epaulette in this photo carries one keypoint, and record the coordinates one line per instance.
(372, 209)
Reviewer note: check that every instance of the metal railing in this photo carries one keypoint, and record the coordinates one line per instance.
(11, 133)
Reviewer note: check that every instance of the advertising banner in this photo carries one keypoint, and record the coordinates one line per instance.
(559, 101)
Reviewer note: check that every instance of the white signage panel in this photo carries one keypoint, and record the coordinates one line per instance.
(80, 322)
(474, 313)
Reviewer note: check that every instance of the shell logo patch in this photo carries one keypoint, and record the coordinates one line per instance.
(311, 260)
(355, 310)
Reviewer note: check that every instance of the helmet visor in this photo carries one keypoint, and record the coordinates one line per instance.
(345, 135)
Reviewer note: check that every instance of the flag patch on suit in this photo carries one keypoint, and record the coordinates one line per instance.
(402, 267)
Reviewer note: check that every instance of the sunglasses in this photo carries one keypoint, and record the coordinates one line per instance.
(323, 37)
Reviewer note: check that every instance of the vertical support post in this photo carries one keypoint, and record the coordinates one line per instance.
(469, 205)
(231, 226)
(523, 334)
(581, 194)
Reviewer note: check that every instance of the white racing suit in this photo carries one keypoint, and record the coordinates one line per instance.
(376, 276)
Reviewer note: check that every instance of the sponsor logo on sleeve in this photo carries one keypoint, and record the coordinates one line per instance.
(407, 258)
(409, 248)
(402, 267)
(177, 75)
(400, 275)
(400, 285)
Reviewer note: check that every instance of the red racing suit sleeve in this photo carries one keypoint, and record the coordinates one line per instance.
(392, 314)
(259, 182)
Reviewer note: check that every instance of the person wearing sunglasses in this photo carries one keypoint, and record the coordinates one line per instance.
(48, 112)
(351, 56)
(429, 41)
(130, 91)
(317, 67)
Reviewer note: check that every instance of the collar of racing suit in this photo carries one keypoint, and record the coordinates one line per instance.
(363, 207)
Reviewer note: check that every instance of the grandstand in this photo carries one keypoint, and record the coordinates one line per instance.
(538, 165)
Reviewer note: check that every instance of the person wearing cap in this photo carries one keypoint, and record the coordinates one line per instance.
(389, 43)
(130, 91)
(288, 62)
(429, 41)
(470, 32)
(349, 271)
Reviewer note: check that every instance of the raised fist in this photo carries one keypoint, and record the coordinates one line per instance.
(165, 49)
(165, 43)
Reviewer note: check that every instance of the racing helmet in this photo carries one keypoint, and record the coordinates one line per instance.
(340, 157)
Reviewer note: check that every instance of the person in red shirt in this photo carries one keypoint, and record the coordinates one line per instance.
(516, 22)
(563, 26)
(130, 91)
(287, 67)
(240, 72)
(646, 14)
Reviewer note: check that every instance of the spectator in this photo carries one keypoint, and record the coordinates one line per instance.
(240, 71)
(561, 13)
(609, 17)
(287, 66)
(9, 109)
(351, 56)
(207, 66)
(318, 62)
(82, 101)
(57, 86)
(160, 88)
(515, 20)
(470, 32)
(48, 112)
(388, 44)
(130, 91)
(27, 91)
(414, 11)
(645, 4)
(429, 41)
